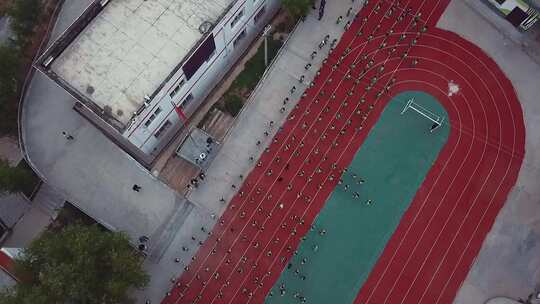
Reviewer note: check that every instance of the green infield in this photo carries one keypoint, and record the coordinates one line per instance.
(352, 229)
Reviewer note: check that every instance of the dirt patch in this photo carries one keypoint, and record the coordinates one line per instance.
(4, 4)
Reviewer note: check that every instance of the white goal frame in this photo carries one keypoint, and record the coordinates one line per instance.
(436, 119)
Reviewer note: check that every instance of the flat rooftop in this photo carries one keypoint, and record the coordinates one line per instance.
(131, 47)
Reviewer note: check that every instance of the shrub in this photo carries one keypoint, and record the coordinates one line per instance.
(298, 8)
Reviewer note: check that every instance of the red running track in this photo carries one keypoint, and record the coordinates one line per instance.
(434, 245)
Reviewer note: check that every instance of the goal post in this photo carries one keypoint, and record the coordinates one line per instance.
(437, 120)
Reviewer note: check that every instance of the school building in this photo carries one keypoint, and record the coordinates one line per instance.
(139, 68)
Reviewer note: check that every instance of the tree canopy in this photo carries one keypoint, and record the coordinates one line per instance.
(298, 8)
(80, 264)
(24, 15)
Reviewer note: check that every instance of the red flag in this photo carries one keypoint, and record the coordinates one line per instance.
(180, 113)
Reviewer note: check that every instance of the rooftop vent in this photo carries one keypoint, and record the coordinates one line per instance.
(205, 27)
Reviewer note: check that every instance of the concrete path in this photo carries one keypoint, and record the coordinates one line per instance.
(5, 31)
(508, 263)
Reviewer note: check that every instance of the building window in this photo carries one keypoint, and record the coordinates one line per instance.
(163, 129)
(177, 88)
(259, 14)
(237, 18)
(187, 101)
(241, 36)
(152, 117)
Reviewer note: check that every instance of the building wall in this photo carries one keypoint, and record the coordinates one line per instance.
(230, 43)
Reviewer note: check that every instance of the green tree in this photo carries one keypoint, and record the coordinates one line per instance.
(298, 8)
(10, 65)
(24, 15)
(233, 104)
(13, 179)
(80, 264)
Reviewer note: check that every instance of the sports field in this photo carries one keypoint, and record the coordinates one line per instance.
(427, 201)
(362, 212)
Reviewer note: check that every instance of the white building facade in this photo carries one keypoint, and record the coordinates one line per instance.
(205, 67)
(135, 65)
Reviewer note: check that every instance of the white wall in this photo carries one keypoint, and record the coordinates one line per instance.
(205, 79)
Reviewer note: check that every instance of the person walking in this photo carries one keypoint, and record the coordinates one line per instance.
(67, 136)
(321, 9)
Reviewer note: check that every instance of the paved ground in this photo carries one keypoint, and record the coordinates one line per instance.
(508, 264)
(126, 38)
(501, 300)
(91, 170)
(6, 280)
(30, 226)
(9, 150)
(40, 213)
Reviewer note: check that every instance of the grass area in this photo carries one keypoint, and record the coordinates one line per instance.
(32, 180)
(254, 67)
(245, 82)
(19, 179)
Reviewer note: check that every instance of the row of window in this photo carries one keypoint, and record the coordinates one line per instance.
(258, 16)
(152, 117)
